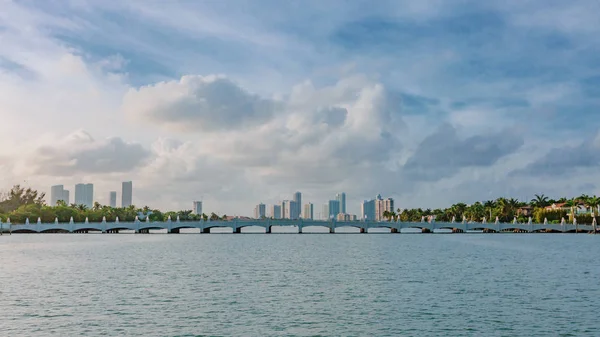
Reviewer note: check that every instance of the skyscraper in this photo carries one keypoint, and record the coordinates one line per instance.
(58, 193)
(325, 212)
(367, 210)
(290, 210)
(113, 199)
(382, 205)
(84, 195)
(334, 208)
(308, 212)
(127, 194)
(341, 198)
(276, 211)
(260, 211)
(197, 207)
(298, 200)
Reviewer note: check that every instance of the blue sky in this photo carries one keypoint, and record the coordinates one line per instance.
(236, 102)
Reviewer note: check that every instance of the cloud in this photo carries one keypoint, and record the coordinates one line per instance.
(198, 103)
(444, 152)
(79, 153)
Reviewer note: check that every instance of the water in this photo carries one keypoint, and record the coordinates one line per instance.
(300, 285)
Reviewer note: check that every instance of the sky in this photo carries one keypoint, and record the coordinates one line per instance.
(234, 103)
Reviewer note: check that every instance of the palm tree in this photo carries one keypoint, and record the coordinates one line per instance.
(82, 207)
(489, 205)
(386, 214)
(96, 206)
(540, 201)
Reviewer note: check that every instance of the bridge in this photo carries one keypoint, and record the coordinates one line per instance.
(237, 225)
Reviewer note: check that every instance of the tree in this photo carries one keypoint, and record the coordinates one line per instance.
(18, 196)
(214, 217)
(489, 206)
(540, 201)
(96, 206)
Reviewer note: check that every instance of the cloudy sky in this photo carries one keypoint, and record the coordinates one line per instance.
(238, 102)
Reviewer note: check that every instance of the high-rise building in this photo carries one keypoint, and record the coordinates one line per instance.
(112, 197)
(325, 212)
(334, 208)
(367, 210)
(298, 201)
(382, 205)
(58, 193)
(84, 195)
(126, 194)
(276, 211)
(197, 207)
(308, 212)
(290, 210)
(260, 211)
(341, 198)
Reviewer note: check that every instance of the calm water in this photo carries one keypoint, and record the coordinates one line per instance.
(300, 285)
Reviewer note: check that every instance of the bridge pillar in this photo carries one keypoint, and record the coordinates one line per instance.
(395, 230)
(426, 230)
(206, 230)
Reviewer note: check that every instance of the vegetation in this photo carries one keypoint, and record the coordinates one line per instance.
(20, 204)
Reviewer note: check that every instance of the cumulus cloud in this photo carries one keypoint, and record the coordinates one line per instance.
(198, 103)
(79, 153)
(444, 152)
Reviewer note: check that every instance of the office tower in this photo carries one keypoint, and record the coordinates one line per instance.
(260, 211)
(276, 211)
(382, 205)
(367, 210)
(84, 195)
(334, 208)
(283, 207)
(58, 193)
(127, 194)
(308, 212)
(325, 212)
(290, 210)
(341, 198)
(298, 200)
(197, 207)
(112, 199)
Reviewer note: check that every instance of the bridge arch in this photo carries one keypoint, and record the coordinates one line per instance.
(24, 231)
(55, 230)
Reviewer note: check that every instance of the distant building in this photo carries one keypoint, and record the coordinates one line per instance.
(127, 194)
(308, 212)
(298, 201)
(367, 210)
(290, 210)
(341, 198)
(275, 211)
(58, 193)
(260, 211)
(334, 209)
(382, 205)
(345, 217)
(84, 195)
(112, 199)
(197, 207)
(325, 212)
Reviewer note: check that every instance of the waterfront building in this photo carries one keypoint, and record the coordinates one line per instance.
(84, 195)
(260, 211)
(298, 201)
(197, 207)
(367, 210)
(334, 208)
(345, 217)
(308, 212)
(341, 198)
(290, 210)
(325, 212)
(57, 193)
(126, 194)
(382, 205)
(275, 211)
(112, 197)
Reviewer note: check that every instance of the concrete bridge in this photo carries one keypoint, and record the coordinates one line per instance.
(237, 225)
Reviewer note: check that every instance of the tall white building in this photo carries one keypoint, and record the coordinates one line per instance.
(325, 212)
(126, 194)
(367, 210)
(112, 197)
(290, 210)
(197, 207)
(298, 201)
(260, 211)
(341, 198)
(382, 205)
(275, 211)
(84, 195)
(57, 193)
(308, 212)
